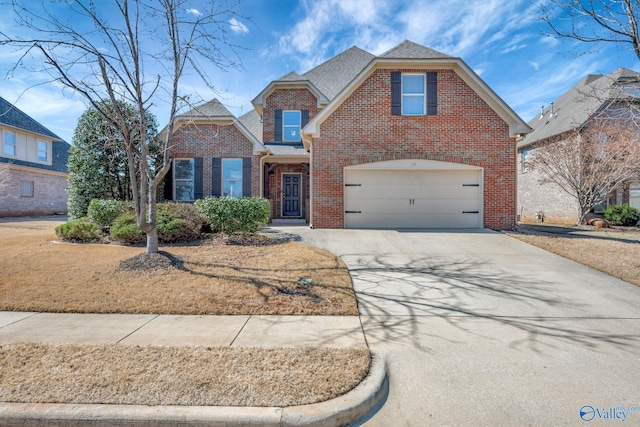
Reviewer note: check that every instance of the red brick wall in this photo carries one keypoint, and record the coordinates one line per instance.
(210, 140)
(465, 130)
(286, 99)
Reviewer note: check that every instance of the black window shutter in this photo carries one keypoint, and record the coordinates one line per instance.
(168, 184)
(246, 177)
(277, 126)
(432, 93)
(396, 94)
(216, 177)
(197, 178)
(304, 118)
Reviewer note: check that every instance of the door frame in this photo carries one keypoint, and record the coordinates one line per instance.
(282, 215)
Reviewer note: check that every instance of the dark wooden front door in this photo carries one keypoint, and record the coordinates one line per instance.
(291, 195)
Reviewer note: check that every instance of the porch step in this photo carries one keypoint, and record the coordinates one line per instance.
(286, 221)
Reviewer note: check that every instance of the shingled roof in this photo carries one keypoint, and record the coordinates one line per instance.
(12, 116)
(410, 50)
(576, 106)
(211, 109)
(333, 75)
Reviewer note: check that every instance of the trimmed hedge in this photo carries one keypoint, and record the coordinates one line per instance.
(105, 212)
(228, 215)
(623, 215)
(125, 229)
(175, 222)
(79, 230)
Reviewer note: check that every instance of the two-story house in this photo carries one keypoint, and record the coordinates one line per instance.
(593, 97)
(412, 138)
(34, 164)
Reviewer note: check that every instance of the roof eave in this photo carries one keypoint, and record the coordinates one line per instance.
(517, 126)
(258, 101)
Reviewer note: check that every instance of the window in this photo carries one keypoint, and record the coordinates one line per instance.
(413, 94)
(524, 160)
(9, 146)
(183, 179)
(291, 121)
(43, 150)
(26, 188)
(232, 178)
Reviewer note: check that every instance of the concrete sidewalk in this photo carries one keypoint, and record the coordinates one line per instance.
(170, 330)
(174, 330)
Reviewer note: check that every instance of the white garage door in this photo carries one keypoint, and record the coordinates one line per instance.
(413, 194)
(634, 194)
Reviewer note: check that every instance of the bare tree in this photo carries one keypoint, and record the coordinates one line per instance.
(107, 50)
(596, 22)
(590, 162)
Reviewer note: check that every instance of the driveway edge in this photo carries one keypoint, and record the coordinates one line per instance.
(342, 410)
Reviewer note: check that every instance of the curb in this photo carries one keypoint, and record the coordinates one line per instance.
(345, 409)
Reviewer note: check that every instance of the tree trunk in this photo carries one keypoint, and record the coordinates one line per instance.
(152, 240)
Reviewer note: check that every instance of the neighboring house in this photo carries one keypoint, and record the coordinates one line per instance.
(592, 95)
(412, 138)
(36, 162)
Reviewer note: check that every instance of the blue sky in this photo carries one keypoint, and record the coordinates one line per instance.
(503, 41)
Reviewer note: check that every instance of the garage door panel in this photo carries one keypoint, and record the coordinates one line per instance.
(379, 220)
(428, 198)
(388, 192)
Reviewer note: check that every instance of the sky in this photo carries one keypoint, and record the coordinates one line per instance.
(504, 42)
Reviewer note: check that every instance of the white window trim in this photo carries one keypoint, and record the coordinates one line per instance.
(222, 172)
(299, 126)
(46, 152)
(15, 144)
(175, 180)
(415, 95)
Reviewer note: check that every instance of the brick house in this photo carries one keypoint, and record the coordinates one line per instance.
(34, 164)
(593, 96)
(409, 139)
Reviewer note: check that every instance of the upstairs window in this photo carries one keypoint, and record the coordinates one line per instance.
(413, 94)
(291, 124)
(43, 150)
(9, 146)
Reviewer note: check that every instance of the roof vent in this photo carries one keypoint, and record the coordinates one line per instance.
(552, 112)
(541, 112)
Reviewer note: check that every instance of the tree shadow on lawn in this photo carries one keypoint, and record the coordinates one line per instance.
(394, 299)
(580, 233)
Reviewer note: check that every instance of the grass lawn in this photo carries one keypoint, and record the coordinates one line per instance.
(261, 276)
(220, 276)
(615, 251)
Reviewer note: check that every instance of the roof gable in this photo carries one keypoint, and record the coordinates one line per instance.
(10, 115)
(209, 110)
(410, 50)
(577, 105)
(413, 55)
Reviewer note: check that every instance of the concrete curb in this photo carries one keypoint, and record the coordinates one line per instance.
(348, 408)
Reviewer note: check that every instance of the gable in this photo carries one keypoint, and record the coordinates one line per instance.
(516, 125)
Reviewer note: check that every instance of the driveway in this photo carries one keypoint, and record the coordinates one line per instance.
(481, 329)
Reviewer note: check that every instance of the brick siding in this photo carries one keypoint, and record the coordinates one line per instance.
(49, 194)
(465, 130)
(286, 99)
(212, 140)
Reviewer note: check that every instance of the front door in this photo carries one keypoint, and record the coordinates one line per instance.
(291, 195)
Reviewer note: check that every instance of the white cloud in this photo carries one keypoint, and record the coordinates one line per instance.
(238, 27)
(193, 11)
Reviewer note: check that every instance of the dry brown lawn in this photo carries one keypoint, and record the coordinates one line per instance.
(195, 376)
(615, 251)
(216, 277)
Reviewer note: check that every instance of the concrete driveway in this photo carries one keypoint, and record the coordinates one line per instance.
(481, 329)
